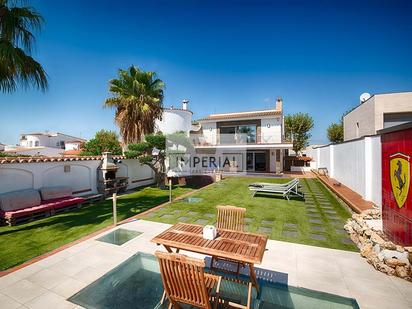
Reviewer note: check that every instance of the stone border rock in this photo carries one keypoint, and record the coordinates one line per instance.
(378, 250)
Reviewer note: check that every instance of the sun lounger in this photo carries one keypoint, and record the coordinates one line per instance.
(260, 184)
(284, 190)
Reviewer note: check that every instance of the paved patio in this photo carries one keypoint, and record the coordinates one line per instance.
(51, 281)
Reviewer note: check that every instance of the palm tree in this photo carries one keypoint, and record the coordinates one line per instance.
(138, 99)
(16, 42)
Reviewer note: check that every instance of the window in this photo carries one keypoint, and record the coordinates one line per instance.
(357, 129)
(36, 143)
(242, 134)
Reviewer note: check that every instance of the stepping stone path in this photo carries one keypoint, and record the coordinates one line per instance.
(290, 226)
(317, 237)
(201, 221)
(192, 213)
(290, 234)
(248, 220)
(313, 215)
(346, 241)
(176, 212)
(182, 219)
(316, 221)
(166, 217)
(209, 215)
(340, 231)
(266, 222)
(265, 230)
(151, 215)
(317, 228)
(330, 211)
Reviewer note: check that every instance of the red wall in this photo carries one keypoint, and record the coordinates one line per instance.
(397, 222)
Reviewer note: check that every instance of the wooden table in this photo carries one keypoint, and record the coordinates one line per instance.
(238, 246)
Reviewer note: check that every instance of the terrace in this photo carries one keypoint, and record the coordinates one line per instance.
(309, 261)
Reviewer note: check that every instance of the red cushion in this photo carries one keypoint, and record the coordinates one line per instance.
(26, 211)
(64, 201)
(46, 205)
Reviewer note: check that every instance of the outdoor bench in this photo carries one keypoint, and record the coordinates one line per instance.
(25, 205)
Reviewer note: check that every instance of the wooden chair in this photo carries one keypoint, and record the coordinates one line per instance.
(185, 281)
(229, 218)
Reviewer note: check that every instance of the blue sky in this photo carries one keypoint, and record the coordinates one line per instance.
(319, 56)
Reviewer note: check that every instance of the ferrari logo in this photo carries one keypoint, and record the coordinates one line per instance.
(400, 176)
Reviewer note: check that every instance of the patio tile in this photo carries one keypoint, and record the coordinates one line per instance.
(69, 287)
(52, 300)
(10, 279)
(177, 211)
(266, 222)
(317, 228)
(313, 210)
(8, 303)
(290, 234)
(183, 219)
(313, 215)
(290, 226)
(209, 215)
(317, 237)
(192, 213)
(47, 278)
(23, 291)
(202, 222)
(317, 221)
(265, 230)
(330, 211)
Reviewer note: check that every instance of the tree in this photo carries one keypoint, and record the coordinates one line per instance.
(17, 67)
(103, 141)
(335, 132)
(151, 152)
(297, 127)
(138, 99)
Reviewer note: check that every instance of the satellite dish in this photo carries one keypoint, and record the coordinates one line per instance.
(364, 96)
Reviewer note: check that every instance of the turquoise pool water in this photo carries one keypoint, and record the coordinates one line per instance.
(136, 283)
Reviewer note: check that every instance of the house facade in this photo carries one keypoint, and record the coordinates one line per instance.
(376, 113)
(45, 144)
(259, 134)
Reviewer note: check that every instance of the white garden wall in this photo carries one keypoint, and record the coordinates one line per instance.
(80, 175)
(356, 164)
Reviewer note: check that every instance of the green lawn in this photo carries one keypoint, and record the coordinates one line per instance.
(317, 220)
(23, 242)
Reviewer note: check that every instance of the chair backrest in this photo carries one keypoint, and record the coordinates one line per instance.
(183, 279)
(230, 218)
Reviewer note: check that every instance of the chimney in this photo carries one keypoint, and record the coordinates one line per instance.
(184, 104)
(279, 103)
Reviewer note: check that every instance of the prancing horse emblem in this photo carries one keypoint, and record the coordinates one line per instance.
(400, 177)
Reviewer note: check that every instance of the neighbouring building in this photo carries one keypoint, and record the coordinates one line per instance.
(2, 147)
(377, 112)
(260, 133)
(45, 144)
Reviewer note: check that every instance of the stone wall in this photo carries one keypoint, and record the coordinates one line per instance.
(375, 247)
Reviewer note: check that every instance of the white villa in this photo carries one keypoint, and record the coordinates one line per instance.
(260, 133)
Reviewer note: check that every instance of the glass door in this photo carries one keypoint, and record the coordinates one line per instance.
(250, 161)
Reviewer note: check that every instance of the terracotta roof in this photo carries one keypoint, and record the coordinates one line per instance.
(8, 160)
(268, 112)
(73, 152)
(75, 141)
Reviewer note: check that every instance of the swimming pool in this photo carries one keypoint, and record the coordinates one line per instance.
(136, 283)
